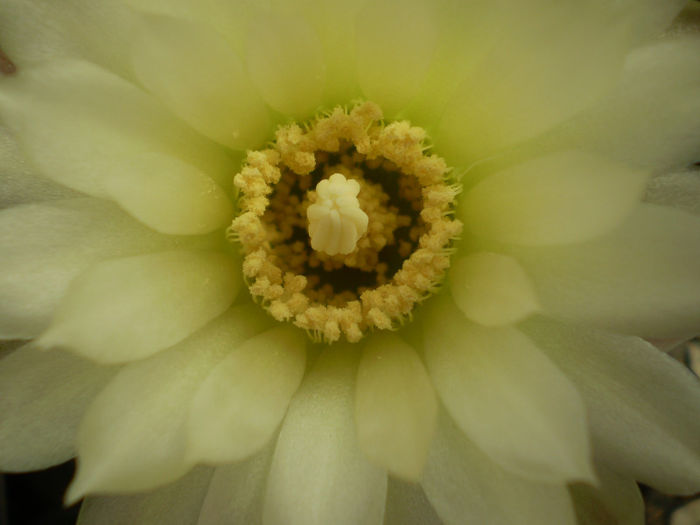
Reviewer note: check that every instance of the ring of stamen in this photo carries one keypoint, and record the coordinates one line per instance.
(285, 270)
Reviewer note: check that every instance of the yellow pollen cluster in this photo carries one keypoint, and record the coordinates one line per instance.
(371, 184)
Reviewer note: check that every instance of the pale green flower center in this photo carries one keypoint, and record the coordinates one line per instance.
(371, 239)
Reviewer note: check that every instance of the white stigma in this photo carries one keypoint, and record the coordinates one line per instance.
(336, 221)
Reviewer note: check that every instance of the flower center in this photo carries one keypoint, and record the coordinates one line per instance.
(362, 248)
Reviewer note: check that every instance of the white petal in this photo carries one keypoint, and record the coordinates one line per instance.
(236, 491)
(642, 279)
(198, 75)
(176, 504)
(396, 41)
(407, 504)
(319, 475)
(242, 401)
(130, 308)
(395, 406)
(134, 435)
(615, 501)
(85, 127)
(559, 198)
(680, 190)
(46, 245)
(508, 397)
(42, 397)
(526, 85)
(465, 486)
(650, 118)
(643, 404)
(285, 61)
(492, 289)
(48, 30)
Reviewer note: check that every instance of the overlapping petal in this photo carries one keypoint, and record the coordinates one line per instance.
(466, 486)
(176, 293)
(519, 408)
(492, 289)
(96, 133)
(395, 42)
(239, 405)
(42, 397)
(318, 473)
(559, 198)
(641, 279)
(642, 403)
(134, 435)
(176, 504)
(46, 245)
(207, 86)
(395, 406)
(286, 63)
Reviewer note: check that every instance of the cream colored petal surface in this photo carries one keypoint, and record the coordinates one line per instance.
(407, 504)
(94, 132)
(47, 245)
(134, 435)
(242, 401)
(521, 410)
(235, 495)
(176, 504)
(527, 84)
(465, 486)
(679, 190)
(42, 398)
(615, 501)
(642, 279)
(395, 406)
(559, 198)
(126, 309)
(200, 77)
(319, 474)
(643, 404)
(49, 30)
(492, 289)
(650, 118)
(285, 61)
(395, 42)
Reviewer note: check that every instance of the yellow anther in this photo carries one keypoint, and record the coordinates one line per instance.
(336, 221)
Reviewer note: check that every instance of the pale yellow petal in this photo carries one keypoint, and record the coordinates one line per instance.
(521, 410)
(125, 309)
(46, 245)
(242, 401)
(395, 406)
(650, 433)
(81, 126)
(175, 504)
(395, 41)
(616, 500)
(559, 198)
(492, 289)
(285, 61)
(42, 398)
(200, 77)
(236, 490)
(466, 486)
(642, 279)
(319, 474)
(134, 435)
